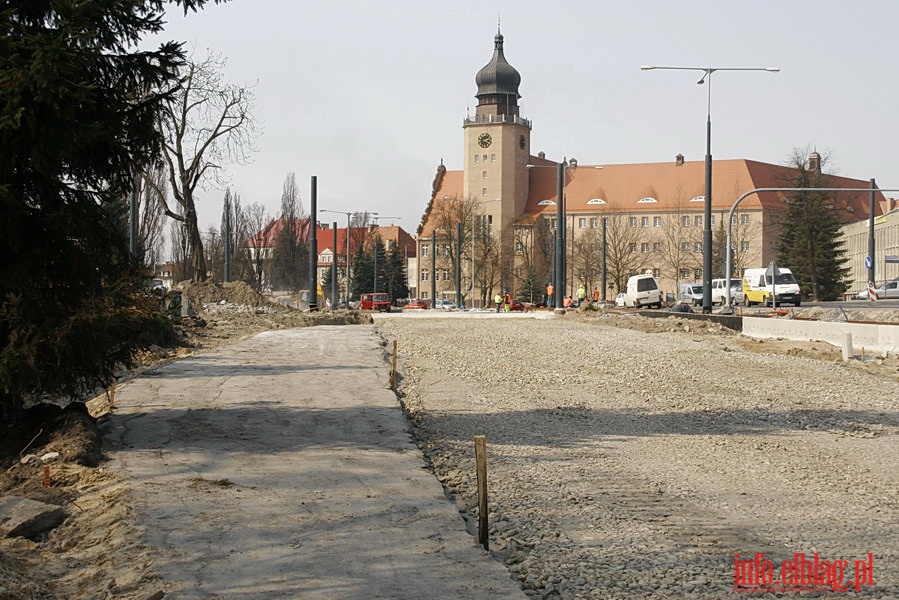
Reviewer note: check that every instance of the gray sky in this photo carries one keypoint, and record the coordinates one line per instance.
(370, 96)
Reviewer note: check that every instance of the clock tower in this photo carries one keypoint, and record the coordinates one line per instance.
(497, 143)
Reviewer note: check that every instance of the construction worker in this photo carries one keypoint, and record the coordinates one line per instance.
(581, 294)
(498, 299)
(549, 294)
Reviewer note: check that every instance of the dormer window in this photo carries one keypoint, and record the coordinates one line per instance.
(546, 203)
(596, 201)
(697, 199)
(646, 200)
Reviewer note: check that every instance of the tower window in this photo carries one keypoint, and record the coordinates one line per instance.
(483, 174)
(483, 191)
(477, 158)
(493, 158)
(485, 158)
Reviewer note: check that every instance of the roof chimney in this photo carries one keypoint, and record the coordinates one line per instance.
(814, 162)
(679, 160)
(541, 154)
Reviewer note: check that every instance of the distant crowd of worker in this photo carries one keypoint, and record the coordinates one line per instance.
(568, 301)
(503, 302)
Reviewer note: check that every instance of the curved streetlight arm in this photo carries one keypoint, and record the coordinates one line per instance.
(730, 216)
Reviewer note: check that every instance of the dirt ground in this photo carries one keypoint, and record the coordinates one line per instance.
(71, 558)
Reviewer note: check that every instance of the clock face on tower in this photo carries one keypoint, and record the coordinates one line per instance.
(484, 140)
(522, 142)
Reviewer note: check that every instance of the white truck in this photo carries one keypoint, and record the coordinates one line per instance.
(760, 288)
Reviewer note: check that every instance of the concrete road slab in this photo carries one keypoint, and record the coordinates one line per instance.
(283, 467)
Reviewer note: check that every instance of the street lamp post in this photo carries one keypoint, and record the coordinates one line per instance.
(347, 241)
(559, 237)
(560, 263)
(707, 215)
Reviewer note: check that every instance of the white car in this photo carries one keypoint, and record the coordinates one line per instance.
(619, 300)
(444, 305)
(890, 289)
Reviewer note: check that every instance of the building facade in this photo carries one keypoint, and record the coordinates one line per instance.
(492, 226)
(886, 247)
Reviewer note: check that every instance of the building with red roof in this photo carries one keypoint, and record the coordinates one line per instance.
(646, 216)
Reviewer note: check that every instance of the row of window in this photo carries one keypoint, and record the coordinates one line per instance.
(426, 250)
(483, 158)
(685, 247)
(439, 274)
(686, 221)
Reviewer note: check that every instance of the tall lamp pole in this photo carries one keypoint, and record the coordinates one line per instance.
(560, 266)
(559, 237)
(707, 216)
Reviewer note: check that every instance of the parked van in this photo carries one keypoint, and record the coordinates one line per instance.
(719, 290)
(691, 293)
(642, 290)
(757, 287)
(376, 301)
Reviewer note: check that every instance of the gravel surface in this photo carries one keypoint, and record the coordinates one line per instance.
(636, 464)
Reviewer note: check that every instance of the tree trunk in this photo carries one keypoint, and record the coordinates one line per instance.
(197, 257)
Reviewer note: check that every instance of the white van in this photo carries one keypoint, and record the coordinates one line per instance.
(691, 293)
(719, 290)
(757, 287)
(642, 290)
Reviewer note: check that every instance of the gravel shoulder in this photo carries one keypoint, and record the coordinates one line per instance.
(629, 463)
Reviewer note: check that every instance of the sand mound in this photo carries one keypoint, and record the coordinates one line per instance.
(211, 292)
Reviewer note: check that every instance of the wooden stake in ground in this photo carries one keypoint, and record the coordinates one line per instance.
(480, 456)
(393, 369)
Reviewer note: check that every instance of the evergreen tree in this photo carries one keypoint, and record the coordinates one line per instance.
(77, 121)
(809, 243)
(395, 274)
(363, 273)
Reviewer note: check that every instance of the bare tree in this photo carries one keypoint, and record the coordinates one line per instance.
(206, 123)
(151, 208)
(181, 270)
(214, 247)
(679, 238)
(532, 259)
(622, 235)
(586, 256)
(255, 229)
(290, 254)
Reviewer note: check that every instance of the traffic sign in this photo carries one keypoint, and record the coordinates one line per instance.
(869, 262)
